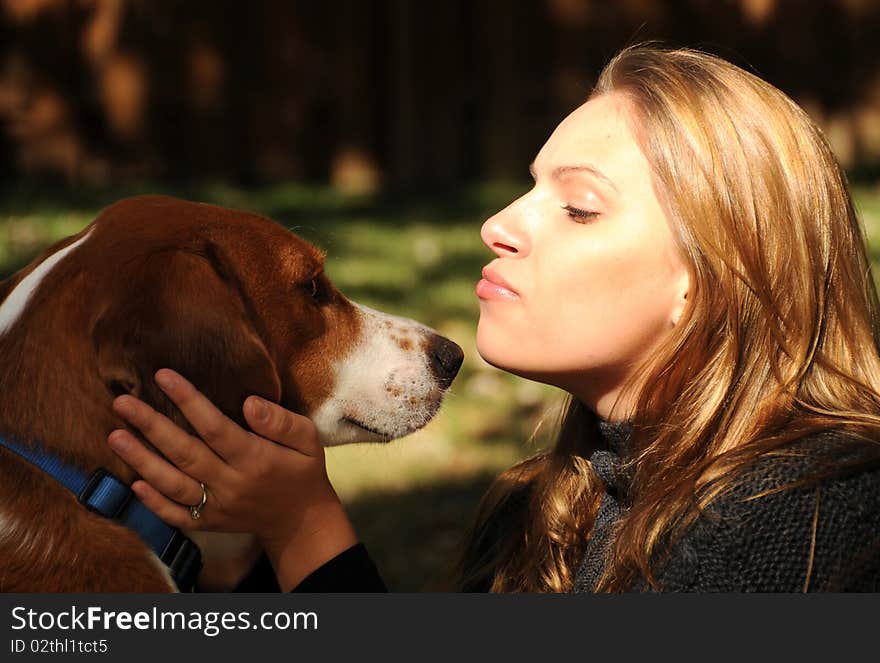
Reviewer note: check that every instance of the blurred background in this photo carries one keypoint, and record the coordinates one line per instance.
(385, 131)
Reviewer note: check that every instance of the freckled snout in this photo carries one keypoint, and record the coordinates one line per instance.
(445, 359)
(391, 383)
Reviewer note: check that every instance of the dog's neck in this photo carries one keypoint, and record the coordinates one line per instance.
(50, 392)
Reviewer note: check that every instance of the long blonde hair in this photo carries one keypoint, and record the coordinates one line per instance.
(779, 339)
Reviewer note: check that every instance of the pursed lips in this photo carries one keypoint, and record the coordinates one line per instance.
(493, 286)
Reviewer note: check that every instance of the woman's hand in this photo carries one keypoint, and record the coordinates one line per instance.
(279, 492)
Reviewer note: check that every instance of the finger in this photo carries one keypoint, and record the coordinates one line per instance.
(169, 480)
(219, 432)
(187, 453)
(172, 513)
(280, 425)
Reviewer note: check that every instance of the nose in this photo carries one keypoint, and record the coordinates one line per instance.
(445, 358)
(504, 235)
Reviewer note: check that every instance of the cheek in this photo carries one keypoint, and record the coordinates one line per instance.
(314, 343)
(626, 309)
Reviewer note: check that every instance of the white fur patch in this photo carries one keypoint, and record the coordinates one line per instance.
(385, 384)
(14, 305)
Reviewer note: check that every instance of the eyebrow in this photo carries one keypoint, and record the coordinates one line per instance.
(559, 171)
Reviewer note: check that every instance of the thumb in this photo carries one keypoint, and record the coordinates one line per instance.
(275, 423)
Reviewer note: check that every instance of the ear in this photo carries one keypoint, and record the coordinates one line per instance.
(117, 372)
(187, 317)
(682, 289)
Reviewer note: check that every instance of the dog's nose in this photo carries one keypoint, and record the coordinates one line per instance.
(445, 357)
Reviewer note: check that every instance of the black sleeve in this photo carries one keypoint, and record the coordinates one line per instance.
(260, 579)
(352, 571)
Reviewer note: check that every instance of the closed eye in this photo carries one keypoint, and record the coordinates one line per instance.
(580, 215)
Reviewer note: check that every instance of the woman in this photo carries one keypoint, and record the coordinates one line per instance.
(690, 269)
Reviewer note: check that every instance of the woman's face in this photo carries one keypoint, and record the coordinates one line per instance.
(587, 278)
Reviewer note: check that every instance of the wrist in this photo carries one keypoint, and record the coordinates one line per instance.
(321, 533)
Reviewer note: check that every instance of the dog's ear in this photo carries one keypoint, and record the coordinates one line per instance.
(188, 314)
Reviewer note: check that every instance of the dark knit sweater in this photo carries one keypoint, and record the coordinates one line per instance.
(760, 545)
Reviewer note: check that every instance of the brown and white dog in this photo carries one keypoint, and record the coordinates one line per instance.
(229, 299)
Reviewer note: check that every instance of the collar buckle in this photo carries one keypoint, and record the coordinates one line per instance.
(105, 494)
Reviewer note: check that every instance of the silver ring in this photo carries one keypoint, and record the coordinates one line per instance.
(195, 512)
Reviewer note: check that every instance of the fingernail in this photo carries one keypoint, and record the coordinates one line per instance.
(261, 412)
(118, 441)
(124, 408)
(165, 381)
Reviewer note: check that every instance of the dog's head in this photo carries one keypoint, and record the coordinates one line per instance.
(241, 306)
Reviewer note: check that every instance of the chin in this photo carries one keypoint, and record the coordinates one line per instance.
(506, 361)
(508, 354)
(491, 353)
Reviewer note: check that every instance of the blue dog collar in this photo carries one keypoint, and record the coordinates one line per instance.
(106, 495)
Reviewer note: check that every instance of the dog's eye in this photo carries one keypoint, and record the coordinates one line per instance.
(315, 290)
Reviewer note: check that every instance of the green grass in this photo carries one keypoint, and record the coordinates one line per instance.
(416, 256)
